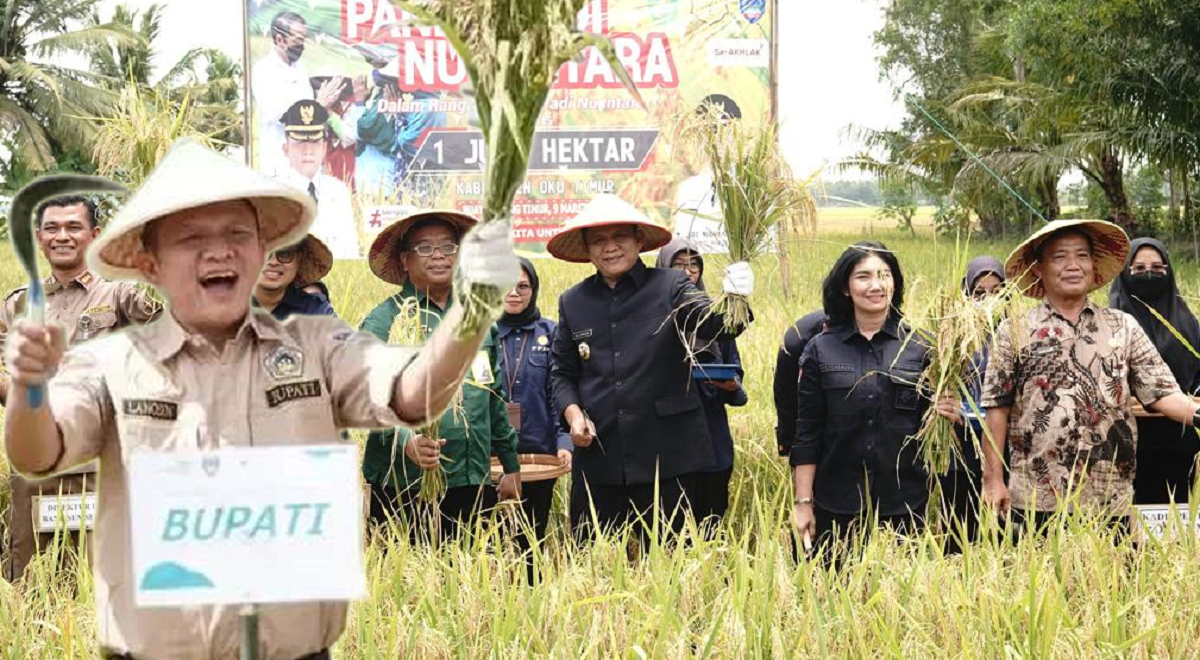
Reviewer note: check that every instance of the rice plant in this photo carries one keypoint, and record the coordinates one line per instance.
(512, 51)
(754, 188)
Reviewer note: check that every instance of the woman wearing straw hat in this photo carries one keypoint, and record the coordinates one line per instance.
(1147, 291)
(418, 253)
(199, 230)
(621, 374)
(1060, 381)
(281, 288)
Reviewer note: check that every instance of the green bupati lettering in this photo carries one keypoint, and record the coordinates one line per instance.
(295, 509)
(238, 517)
(265, 524)
(315, 530)
(177, 526)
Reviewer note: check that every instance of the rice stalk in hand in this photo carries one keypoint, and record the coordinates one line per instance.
(957, 329)
(754, 188)
(409, 329)
(512, 51)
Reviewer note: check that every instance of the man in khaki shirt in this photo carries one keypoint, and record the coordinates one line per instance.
(87, 306)
(212, 373)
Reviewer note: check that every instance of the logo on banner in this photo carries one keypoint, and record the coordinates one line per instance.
(753, 10)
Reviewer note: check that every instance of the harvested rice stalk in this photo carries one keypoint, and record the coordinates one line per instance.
(409, 329)
(512, 51)
(753, 185)
(957, 329)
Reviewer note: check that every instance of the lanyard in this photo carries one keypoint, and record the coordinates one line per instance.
(513, 367)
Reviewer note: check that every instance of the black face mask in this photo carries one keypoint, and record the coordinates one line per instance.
(1148, 285)
(294, 53)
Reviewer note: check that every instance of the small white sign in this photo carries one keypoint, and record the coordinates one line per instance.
(279, 524)
(752, 53)
(1155, 520)
(78, 511)
(377, 218)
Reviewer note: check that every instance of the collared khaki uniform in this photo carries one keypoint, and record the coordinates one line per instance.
(162, 389)
(87, 307)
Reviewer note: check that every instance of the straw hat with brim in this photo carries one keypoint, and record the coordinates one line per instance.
(191, 176)
(1110, 247)
(316, 260)
(604, 210)
(384, 257)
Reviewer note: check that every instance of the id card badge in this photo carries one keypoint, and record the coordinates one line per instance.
(481, 369)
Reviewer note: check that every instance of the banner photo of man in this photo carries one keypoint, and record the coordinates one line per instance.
(400, 131)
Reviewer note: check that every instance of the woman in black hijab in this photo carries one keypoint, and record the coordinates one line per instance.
(525, 338)
(1166, 450)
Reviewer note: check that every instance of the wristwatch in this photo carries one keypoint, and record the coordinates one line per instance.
(802, 500)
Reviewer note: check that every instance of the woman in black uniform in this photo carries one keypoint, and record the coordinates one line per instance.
(857, 405)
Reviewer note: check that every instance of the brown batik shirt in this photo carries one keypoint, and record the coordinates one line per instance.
(1069, 386)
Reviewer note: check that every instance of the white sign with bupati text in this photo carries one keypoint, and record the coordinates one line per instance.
(77, 511)
(280, 524)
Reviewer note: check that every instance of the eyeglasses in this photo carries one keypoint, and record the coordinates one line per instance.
(693, 265)
(523, 288)
(1138, 269)
(427, 250)
(286, 255)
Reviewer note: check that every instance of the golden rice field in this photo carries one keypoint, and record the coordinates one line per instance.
(1071, 595)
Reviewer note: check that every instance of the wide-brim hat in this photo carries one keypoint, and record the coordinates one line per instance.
(316, 260)
(605, 209)
(384, 257)
(1110, 248)
(191, 176)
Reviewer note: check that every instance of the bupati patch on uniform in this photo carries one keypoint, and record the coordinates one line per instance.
(582, 334)
(281, 394)
(284, 362)
(151, 408)
(827, 368)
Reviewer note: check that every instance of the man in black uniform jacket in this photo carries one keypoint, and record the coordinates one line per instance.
(622, 376)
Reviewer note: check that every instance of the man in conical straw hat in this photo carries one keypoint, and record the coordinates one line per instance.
(281, 288)
(199, 230)
(621, 375)
(418, 253)
(1061, 380)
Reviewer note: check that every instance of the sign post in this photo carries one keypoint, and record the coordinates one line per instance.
(209, 528)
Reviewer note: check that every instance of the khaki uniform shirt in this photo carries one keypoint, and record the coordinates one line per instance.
(158, 387)
(87, 307)
(1069, 385)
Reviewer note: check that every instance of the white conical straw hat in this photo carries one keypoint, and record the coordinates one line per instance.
(190, 176)
(604, 209)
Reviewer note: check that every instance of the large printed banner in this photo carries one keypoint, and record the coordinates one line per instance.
(401, 132)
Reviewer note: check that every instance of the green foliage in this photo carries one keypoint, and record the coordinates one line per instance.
(898, 204)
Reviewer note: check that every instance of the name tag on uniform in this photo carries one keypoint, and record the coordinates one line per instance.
(167, 411)
(481, 369)
(281, 394)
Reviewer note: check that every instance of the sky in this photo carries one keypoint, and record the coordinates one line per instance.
(828, 77)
